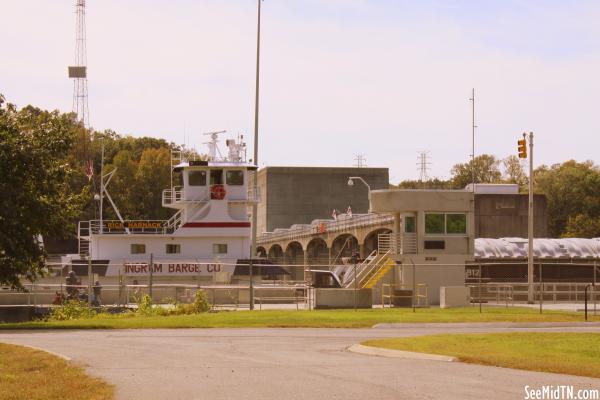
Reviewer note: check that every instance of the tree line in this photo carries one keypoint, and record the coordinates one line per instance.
(572, 189)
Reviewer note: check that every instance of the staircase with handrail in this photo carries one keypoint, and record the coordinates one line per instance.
(369, 272)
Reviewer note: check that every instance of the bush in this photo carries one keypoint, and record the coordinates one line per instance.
(72, 309)
(144, 305)
(200, 303)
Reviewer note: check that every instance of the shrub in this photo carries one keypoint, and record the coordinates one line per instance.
(72, 309)
(144, 305)
(200, 303)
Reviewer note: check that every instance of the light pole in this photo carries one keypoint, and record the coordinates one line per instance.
(351, 183)
(255, 160)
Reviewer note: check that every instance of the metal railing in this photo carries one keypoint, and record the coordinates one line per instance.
(405, 243)
(419, 294)
(87, 228)
(177, 195)
(491, 292)
(365, 270)
(172, 196)
(511, 292)
(127, 295)
(343, 223)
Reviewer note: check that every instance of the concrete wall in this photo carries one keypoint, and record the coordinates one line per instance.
(298, 195)
(505, 215)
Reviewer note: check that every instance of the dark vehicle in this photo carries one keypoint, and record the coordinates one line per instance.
(324, 279)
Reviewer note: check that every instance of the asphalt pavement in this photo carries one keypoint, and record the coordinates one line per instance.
(288, 363)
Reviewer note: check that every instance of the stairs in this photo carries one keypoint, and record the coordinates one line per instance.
(84, 230)
(385, 267)
(370, 272)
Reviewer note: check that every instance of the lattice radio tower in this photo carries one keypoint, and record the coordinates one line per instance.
(78, 72)
(423, 166)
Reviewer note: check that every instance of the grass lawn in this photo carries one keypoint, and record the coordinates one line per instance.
(312, 319)
(563, 353)
(33, 374)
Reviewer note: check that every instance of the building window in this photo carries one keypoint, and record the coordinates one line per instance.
(235, 178)
(446, 224)
(173, 248)
(219, 248)
(434, 224)
(456, 224)
(137, 248)
(410, 225)
(197, 178)
(216, 176)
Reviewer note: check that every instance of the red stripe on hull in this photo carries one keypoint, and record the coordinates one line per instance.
(217, 225)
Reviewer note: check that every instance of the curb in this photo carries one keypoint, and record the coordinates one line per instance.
(408, 355)
(66, 358)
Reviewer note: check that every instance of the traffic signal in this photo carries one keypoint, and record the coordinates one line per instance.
(522, 148)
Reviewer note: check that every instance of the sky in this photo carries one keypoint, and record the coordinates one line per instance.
(383, 78)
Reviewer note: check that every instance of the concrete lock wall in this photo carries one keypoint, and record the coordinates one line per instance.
(505, 215)
(454, 296)
(343, 298)
(299, 195)
(434, 276)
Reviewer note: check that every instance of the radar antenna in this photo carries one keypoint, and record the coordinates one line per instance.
(213, 149)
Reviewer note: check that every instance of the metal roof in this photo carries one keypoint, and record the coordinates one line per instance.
(513, 248)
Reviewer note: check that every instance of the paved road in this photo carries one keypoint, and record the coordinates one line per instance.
(285, 364)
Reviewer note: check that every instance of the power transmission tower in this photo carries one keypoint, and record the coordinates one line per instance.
(423, 166)
(361, 161)
(78, 72)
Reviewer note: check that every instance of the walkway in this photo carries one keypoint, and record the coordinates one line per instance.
(287, 363)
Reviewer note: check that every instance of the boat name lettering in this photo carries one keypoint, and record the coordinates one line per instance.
(178, 268)
(134, 225)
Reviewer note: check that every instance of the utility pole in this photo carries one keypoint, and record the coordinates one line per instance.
(360, 161)
(530, 293)
(473, 126)
(255, 175)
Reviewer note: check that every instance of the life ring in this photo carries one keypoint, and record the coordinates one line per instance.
(217, 192)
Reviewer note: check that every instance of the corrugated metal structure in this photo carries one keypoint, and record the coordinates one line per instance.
(546, 249)
(556, 260)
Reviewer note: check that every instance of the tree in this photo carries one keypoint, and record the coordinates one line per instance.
(434, 183)
(582, 225)
(572, 191)
(36, 197)
(484, 169)
(513, 171)
(152, 176)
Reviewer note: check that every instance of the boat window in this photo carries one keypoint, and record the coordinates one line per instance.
(216, 176)
(173, 248)
(197, 178)
(137, 248)
(235, 178)
(220, 248)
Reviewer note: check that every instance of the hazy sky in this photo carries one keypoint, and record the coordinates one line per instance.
(338, 77)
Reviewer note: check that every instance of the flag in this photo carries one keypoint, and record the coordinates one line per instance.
(349, 211)
(334, 214)
(89, 169)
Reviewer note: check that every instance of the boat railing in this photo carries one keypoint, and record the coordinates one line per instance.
(173, 223)
(172, 196)
(108, 227)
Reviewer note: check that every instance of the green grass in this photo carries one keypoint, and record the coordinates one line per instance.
(563, 353)
(312, 319)
(30, 374)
